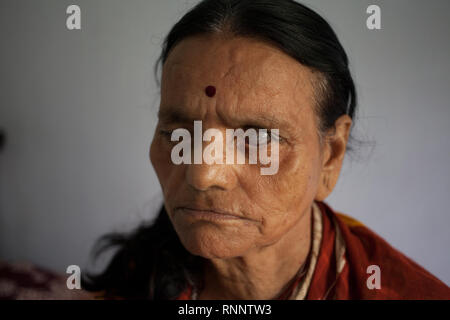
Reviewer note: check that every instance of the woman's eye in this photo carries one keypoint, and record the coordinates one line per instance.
(263, 137)
(275, 136)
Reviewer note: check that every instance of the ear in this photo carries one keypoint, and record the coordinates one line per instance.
(334, 148)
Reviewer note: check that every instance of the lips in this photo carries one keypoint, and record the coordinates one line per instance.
(208, 213)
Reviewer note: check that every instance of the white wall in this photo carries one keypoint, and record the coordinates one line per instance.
(79, 108)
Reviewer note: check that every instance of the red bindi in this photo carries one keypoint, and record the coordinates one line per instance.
(210, 91)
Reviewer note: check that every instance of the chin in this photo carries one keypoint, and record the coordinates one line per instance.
(212, 246)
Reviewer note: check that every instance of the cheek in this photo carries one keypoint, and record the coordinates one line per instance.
(297, 176)
(281, 199)
(300, 177)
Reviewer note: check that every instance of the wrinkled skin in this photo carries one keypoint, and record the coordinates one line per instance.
(258, 86)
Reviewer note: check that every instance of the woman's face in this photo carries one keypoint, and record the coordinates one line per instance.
(257, 86)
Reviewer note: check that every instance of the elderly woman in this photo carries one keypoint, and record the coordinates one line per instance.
(227, 231)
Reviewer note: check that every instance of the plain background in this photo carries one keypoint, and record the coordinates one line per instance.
(79, 108)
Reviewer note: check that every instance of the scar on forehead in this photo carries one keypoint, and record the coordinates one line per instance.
(210, 91)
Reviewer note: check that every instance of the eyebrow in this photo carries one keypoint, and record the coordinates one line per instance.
(267, 121)
(174, 116)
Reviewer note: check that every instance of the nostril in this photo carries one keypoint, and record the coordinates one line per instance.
(199, 177)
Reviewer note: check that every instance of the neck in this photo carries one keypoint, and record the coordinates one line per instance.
(262, 274)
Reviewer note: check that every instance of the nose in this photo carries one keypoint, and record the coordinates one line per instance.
(203, 177)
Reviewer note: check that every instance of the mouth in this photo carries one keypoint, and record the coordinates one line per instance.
(209, 214)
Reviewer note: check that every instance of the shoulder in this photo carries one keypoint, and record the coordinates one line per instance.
(400, 276)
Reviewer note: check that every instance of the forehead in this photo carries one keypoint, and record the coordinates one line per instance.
(251, 76)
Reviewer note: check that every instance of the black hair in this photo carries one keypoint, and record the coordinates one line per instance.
(151, 262)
